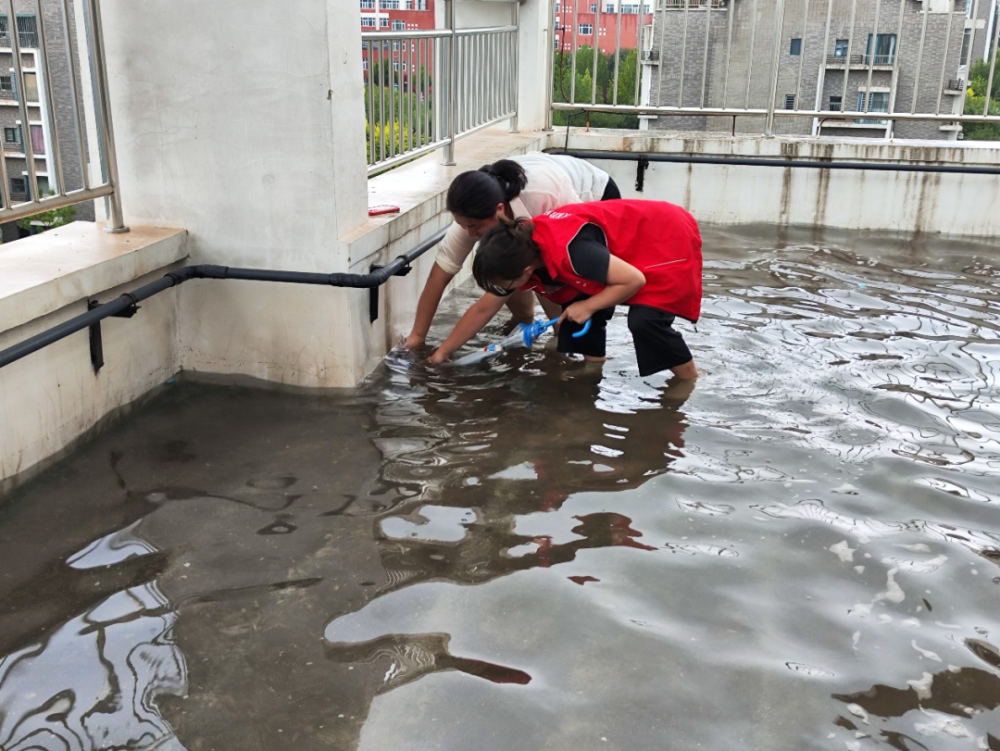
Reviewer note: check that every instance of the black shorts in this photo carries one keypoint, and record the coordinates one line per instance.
(611, 192)
(658, 346)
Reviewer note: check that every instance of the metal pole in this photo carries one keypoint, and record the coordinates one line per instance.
(753, 37)
(22, 105)
(802, 53)
(704, 59)
(107, 135)
(449, 22)
(779, 21)
(847, 60)
(684, 41)
(74, 72)
(618, 48)
(49, 109)
(872, 57)
(944, 62)
(515, 20)
(993, 62)
(730, 10)
(550, 36)
(920, 56)
(595, 47)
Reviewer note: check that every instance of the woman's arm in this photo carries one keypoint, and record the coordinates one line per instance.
(451, 255)
(427, 306)
(477, 316)
(623, 281)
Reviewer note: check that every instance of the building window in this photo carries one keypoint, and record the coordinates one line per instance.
(796, 47)
(885, 50)
(7, 83)
(836, 103)
(963, 58)
(840, 48)
(395, 45)
(12, 135)
(593, 7)
(18, 186)
(383, 23)
(398, 25)
(789, 101)
(556, 42)
(609, 8)
(586, 29)
(395, 64)
(389, 4)
(364, 63)
(37, 140)
(367, 4)
(27, 28)
(646, 9)
(878, 101)
(632, 9)
(367, 22)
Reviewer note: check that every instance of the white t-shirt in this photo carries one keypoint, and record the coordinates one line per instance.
(553, 181)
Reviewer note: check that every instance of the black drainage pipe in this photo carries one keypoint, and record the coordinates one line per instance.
(630, 156)
(127, 304)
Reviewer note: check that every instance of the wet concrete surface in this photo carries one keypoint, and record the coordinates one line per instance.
(800, 551)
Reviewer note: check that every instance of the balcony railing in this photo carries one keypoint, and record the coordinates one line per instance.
(698, 73)
(426, 89)
(50, 37)
(860, 60)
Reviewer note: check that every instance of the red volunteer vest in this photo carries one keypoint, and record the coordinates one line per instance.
(658, 238)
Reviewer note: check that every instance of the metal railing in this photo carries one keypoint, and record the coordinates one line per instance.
(62, 115)
(426, 89)
(736, 66)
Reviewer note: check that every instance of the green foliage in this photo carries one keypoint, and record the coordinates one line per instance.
(47, 220)
(975, 102)
(627, 62)
(392, 134)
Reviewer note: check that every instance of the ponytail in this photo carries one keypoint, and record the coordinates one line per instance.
(476, 194)
(504, 252)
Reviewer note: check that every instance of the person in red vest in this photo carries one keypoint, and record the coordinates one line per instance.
(590, 257)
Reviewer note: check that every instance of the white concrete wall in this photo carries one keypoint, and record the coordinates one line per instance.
(243, 122)
(903, 202)
(52, 397)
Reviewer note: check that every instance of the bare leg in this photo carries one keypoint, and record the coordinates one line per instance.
(687, 371)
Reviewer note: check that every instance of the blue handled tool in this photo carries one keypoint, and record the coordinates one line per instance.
(523, 336)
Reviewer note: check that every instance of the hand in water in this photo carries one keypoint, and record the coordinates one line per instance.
(437, 358)
(413, 342)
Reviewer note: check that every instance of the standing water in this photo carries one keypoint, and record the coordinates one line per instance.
(799, 551)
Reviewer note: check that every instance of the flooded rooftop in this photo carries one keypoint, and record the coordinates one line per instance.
(798, 551)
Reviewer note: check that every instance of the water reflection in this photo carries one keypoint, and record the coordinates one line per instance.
(96, 681)
(536, 554)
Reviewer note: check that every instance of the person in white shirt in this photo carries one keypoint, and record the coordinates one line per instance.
(524, 186)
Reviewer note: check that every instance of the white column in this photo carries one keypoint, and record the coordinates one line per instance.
(252, 138)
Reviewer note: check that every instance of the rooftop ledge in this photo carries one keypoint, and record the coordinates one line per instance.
(419, 188)
(47, 272)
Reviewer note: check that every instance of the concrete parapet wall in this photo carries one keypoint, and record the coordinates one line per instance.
(907, 202)
(52, 397)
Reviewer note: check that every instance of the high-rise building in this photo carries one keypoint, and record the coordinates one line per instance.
(876, 56)
(28, 97)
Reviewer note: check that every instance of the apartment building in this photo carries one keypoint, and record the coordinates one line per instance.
(397, 15)
(28, 96)
(579, 23)
(874, 56)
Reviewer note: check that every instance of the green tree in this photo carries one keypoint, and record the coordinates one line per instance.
(975, 103)
(392, 133)
(562, 90)
(46, 220)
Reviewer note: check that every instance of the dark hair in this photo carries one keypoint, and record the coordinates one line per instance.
(504, 252)
(477, 194)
